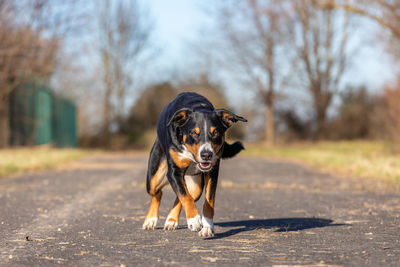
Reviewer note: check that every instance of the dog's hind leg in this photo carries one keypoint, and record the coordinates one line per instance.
(156, 180)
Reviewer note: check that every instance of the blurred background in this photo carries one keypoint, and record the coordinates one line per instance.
(98, 73)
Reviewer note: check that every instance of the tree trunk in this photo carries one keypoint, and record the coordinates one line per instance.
(4, 123)
(269, 125)
(107, 99)
(321, 112)
(322, 99)
(107, 116)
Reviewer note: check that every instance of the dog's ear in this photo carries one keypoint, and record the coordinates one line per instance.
(180, 117)
(228, 118)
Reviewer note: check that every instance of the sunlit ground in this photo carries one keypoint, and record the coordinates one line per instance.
(21, 160)
(357, 158)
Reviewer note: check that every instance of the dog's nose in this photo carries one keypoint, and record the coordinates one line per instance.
(206, 155)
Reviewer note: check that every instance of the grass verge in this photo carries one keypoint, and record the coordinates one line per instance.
(355, 158)
(21, 160)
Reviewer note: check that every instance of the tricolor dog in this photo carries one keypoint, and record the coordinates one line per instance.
(186, 154)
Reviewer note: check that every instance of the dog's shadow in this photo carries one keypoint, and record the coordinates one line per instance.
(282, 225)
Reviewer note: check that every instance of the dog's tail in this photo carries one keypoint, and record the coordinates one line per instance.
(231, 150)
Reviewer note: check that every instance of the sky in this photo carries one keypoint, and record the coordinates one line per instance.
(177, 26)
(175, 20)
(178, 21)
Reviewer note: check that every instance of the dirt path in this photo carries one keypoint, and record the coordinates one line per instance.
(267, 213)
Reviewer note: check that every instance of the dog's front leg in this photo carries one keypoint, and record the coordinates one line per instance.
(210, 182)
(176, 178)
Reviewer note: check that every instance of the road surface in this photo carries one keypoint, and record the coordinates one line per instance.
(267, 213)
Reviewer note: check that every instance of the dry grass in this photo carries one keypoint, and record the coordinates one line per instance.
(20, 160)
(355, 158)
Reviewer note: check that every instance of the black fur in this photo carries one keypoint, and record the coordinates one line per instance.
(172, 126)
(231, 150)
(191, 122)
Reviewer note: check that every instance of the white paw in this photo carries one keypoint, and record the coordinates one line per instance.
(206, 232)
(170, 224)
(150, 223)
(194, 224)
(208, 227)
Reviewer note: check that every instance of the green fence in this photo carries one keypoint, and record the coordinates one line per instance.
(64, 123)
(38, 117)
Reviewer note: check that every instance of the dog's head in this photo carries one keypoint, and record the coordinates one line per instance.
(201, 135)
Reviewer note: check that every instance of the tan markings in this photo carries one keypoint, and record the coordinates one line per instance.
(184, 138)
(180, 162)
(208, 210)
(188, 205)
(194, 185)
(158, 181)
(196, 130)
(217, 147)
(208, 207)
(175, 211)
(194, 149)
(155, 204)
(227, 118)
(212, 129)
(181, 116)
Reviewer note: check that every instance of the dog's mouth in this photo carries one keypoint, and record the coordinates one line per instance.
(204, 166)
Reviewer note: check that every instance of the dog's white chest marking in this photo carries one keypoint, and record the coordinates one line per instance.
(185, 154)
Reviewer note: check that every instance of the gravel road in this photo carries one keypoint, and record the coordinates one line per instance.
(267, 213)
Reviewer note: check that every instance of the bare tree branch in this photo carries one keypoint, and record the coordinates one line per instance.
(384, 12)
(124, 39)
(322, 51)
(255, 31)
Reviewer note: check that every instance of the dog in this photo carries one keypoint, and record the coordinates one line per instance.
(186, 154)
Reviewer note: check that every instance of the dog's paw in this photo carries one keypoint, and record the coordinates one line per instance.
(170, 224)
(206, 232)
(150, 223)
(208, 227)
(194, 224)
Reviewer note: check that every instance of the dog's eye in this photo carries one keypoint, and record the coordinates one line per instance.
(215, 133)
(194, 133)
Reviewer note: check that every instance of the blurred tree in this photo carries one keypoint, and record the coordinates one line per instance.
(147, 108)
(354, 120)
(203, 86)
(385, 12)
(392, 119)
(125, 31)
(294, 127)
(31, 33)
(321, 40)
(255, 33)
